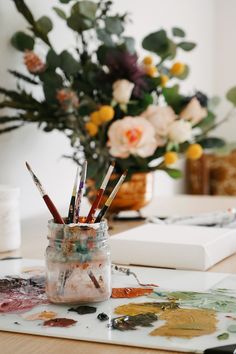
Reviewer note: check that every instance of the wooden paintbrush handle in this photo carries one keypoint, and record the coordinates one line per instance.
(95, 205)
(57, 217)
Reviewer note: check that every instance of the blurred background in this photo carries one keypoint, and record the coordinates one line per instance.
(209, 23)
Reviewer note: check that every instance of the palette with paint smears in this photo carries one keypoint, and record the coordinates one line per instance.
(140, 321)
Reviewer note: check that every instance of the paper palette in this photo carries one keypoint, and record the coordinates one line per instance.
(89, 328)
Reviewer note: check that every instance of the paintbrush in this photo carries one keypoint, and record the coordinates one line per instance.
(99, 195)
(80, 192)
(57, 217)
(110, 198)
(72, 200)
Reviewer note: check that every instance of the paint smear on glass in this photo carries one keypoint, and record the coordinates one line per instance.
(130, 292)
(214, 300)
(59, 322)
(186, 323)
(151, 307)
(125, 323)
(44, 315)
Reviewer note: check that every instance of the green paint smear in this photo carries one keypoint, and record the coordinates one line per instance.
(232, 328)
(216, 299)
(223, 336)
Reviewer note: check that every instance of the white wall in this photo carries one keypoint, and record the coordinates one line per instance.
(43, 150)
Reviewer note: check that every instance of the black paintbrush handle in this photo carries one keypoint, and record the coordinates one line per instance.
(101, 213)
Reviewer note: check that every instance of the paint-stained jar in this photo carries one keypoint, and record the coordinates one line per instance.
(78, 265)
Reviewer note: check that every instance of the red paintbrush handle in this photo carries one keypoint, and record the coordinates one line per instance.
(95, 205)
(57, 217)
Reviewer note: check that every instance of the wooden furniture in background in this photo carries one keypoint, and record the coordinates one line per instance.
(212, 174)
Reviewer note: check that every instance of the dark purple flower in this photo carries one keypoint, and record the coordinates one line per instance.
(123, 65)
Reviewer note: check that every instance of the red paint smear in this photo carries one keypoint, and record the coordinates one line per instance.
(130, 292)
(59, 322)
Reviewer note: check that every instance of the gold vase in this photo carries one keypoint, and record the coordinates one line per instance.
(134, 194)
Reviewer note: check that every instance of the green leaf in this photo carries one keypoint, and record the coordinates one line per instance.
(88, 9)
(129, 44)
(231, 95)
(104, 37)
(223, 336)
(68, 64)
(44, 24)
(178, 32)
(114, 25)
(156, 42)
(102, 52)
(173, 98)
(64, 1)
(207, 122)
(187, 46)
(79, 24)
(51, 83)
(60, 12)
(22, 41)
(211, 142)
(173, 173)
(52, 59)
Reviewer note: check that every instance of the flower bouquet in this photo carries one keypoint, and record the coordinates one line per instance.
(108, 100)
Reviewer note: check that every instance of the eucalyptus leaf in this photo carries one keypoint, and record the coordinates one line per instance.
(104, 37)
(178, 32)
(44, 24)
(87, 9)
(129, 44)
(114, 25)
(52, 59)
(231, 95)
(156, 42)
(211, 142)
(79, 23)
(68, 64)
(64, 1)
(60, 12)
(187, 46)
(22, 41)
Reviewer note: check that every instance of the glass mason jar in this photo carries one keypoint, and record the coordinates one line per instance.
(78, 265)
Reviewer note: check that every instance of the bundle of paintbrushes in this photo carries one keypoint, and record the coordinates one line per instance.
(78, 265)
(77, 193)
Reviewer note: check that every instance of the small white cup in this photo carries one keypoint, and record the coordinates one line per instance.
(10, 234)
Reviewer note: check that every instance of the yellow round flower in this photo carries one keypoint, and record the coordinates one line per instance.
(177, 68)
(106, 113)
(91, 128)
(148, 60)
(151, 70)
(95, 118)
(194, 152)
(164, 80)
(170, 157)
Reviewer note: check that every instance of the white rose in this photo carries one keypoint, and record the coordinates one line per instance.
(122, 90)
(180, 131)
(131, 136)
(193, 112)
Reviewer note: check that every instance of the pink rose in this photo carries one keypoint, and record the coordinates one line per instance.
(131, 136)
(160, 118)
